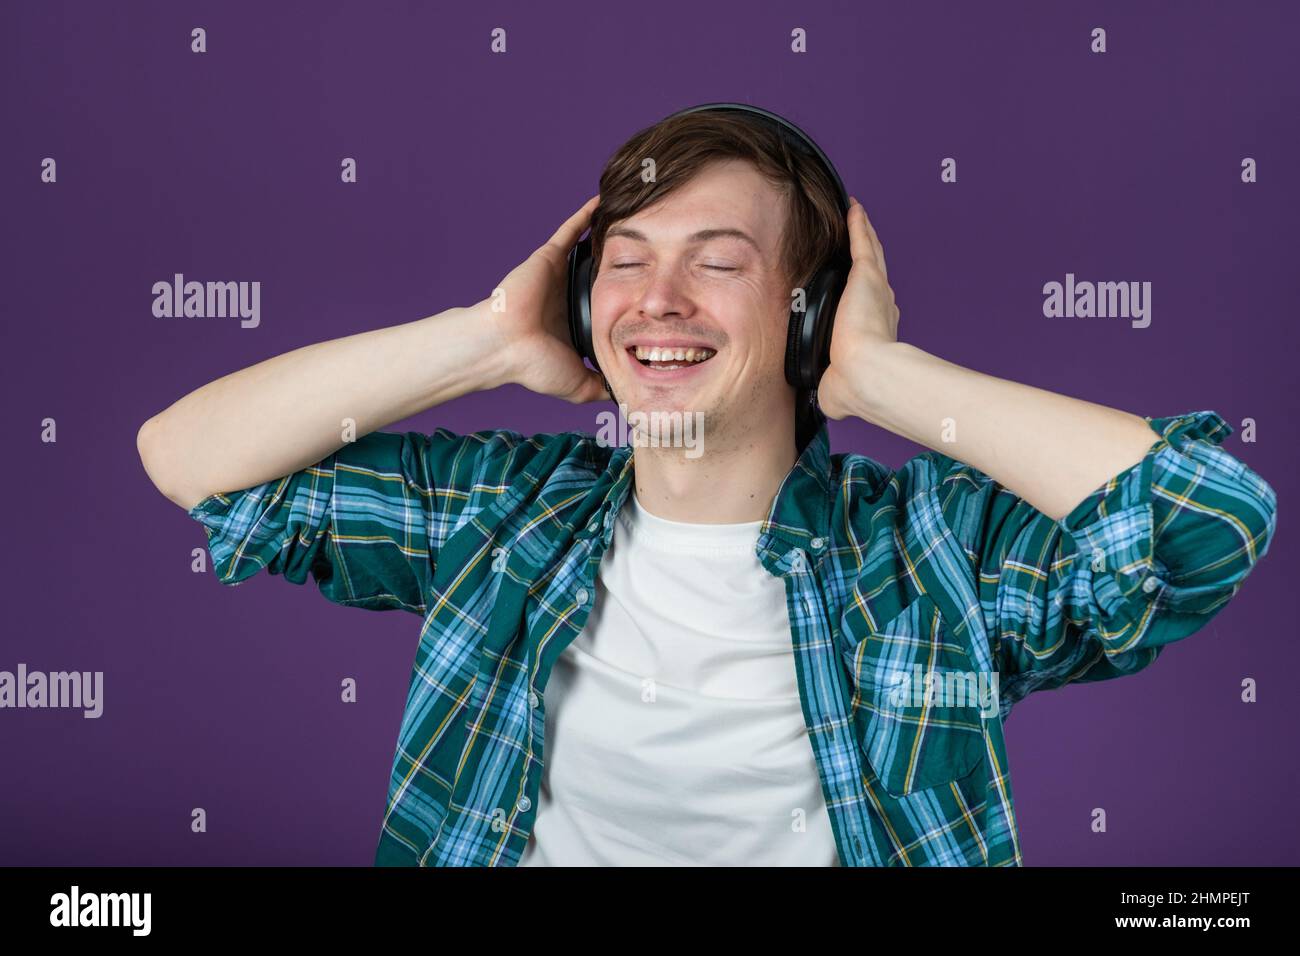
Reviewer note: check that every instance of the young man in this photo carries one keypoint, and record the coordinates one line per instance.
(763, 654)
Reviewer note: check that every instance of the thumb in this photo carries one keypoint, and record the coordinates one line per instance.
(860, 248)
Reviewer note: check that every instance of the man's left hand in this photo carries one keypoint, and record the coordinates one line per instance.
(865, 319)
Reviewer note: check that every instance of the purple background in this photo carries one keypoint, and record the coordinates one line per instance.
(225, 166)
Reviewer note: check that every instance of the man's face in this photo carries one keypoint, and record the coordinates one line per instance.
(663, 280)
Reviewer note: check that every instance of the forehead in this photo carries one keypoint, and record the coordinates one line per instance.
(726, 194)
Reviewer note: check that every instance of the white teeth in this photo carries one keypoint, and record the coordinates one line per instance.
(661, 354)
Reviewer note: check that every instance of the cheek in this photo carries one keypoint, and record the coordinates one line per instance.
(605, 308)
(768, 338)
(609, 300)
(780, 334)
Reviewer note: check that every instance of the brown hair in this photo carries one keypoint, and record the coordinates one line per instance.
(682, 145)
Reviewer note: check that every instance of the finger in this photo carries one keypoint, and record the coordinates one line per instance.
(859, 239)
(873, 240)
(860, 247)
(567, 235)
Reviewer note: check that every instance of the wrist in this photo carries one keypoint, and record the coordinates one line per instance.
(492, 351)
(877, 379)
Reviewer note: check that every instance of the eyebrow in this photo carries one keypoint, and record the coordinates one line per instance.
(704, 235)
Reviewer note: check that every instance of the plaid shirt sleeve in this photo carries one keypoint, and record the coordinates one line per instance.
(1145, 560)
(367, 522)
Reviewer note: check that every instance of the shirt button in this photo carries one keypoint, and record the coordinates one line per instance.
(1150, 584)
(532, 698)
(818, 543)
(582, 595)
(796, 559)
(523, 803)
(593, 526)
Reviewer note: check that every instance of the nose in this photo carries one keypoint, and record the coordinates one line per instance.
(664, 296)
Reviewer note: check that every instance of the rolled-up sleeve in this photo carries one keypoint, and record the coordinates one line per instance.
(1147, 559)
(366, 522)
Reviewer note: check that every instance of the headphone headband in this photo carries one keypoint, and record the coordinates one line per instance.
(789, 130)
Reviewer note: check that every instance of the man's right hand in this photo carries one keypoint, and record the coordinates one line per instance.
(530, 327)
(289, 411)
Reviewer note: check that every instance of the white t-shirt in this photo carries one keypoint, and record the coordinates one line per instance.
(674, 733)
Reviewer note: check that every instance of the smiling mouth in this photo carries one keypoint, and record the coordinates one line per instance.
(667, 359)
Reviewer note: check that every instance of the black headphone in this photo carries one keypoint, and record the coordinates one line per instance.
(808, 344)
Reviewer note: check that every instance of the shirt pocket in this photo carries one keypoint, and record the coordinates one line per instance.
(916, 701)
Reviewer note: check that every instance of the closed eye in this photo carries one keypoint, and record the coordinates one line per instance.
(633, 265)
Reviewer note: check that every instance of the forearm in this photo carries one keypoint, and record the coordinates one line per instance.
(280, 415)
(1047, 448)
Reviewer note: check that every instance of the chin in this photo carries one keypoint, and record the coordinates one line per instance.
(652, 402)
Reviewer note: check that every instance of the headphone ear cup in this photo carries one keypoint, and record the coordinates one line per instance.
(835, 277)
(579, 299)
(808, 347)
(793, 355)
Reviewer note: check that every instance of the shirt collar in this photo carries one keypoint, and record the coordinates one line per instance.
(799, 513)
(797, 519)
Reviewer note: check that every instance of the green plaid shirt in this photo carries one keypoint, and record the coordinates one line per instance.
(493, 539)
